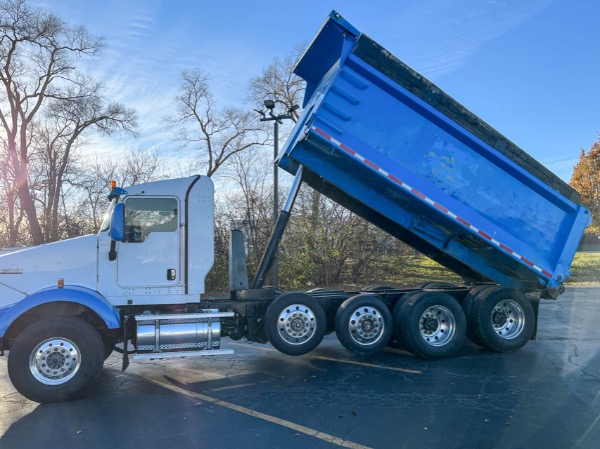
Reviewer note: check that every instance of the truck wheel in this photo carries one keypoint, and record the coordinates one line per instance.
(503, 319)
(397, 340)
(55, 359)
(467, 307)
(295, 323)
(432, 324)
(363, 324)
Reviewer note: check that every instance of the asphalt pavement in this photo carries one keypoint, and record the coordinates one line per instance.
(546, 395)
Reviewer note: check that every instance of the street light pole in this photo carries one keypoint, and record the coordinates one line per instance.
(275, 196)
(277, 119)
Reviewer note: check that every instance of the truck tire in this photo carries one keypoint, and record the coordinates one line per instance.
(377, 288)
(503, 319)
(397, 340)
(363, 324)
(55, 359)
(432, 324)
(295, 323)
(435, 285)
(109, 347)
(108, 350)
(467, 307)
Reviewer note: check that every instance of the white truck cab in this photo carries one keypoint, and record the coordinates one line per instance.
(150, 265)
(139, 259)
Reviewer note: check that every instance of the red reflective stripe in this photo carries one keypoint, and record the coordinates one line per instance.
(419, 194)
(440, 207)
(466, 223)
(396, 180)
(323, 133)
(484, 235)
(371, 164)
(349, 150)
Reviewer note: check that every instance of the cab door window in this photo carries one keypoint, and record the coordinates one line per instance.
(143, 216)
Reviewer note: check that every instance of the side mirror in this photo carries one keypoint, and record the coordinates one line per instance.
(117, 223)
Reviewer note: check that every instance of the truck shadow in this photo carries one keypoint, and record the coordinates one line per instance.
(477, 399)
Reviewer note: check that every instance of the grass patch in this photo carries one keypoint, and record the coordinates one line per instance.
(418, 269)
(585, 269)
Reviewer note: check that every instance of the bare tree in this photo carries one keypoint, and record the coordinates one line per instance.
(245, 204)
(37, 52)
(58, 134)
(12, 217)
(278, 83)
(91, 181)
(216, 134)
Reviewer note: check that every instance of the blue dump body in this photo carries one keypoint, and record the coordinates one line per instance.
(389, 145)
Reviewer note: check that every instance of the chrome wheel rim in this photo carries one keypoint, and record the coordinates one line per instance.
(508, 319)
(55, 361)
(366, 325)
(296, 324)
(437, 325)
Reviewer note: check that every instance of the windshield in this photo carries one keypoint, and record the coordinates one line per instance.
(106, 220)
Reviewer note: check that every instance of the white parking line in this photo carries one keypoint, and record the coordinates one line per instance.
(272, 419)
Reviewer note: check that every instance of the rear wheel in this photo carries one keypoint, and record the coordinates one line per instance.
(467, 307)
(363, 324)
(432, 324)
(503, 319)
(55, 359)
(295, 323)
(397, 340)
(377, 288)
(435, 285)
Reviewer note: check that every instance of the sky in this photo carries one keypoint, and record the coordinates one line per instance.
(527, 67)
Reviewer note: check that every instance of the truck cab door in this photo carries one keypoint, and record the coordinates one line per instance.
(150, 256)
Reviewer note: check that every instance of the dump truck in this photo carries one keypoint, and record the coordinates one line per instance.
(377, 138)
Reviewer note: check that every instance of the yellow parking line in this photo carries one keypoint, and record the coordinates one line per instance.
(272, 419)
(332, 359)
(370, 365)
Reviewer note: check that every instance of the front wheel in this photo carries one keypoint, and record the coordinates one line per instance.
(295, 323)
(55, 359)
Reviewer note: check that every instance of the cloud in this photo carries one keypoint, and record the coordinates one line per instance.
(439, 37)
